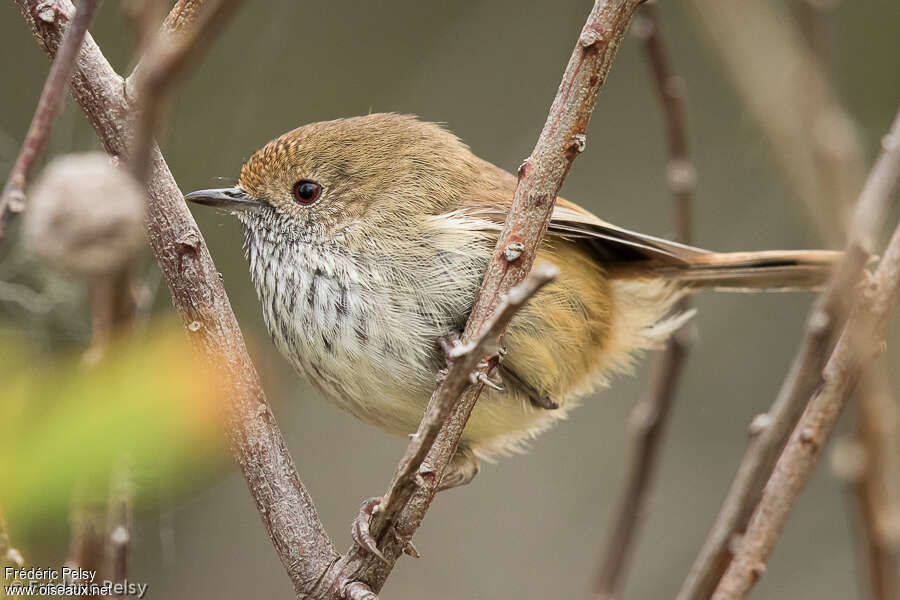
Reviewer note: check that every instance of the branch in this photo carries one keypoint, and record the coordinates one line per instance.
(168, 56)
(464, 362)
(874, 483)
(772, 430)
(13, 197)
(650, 415)
(863, 340)
(540, 178)
(199, 297)
(805, 375)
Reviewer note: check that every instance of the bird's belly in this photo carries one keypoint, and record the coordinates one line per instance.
(370, 350)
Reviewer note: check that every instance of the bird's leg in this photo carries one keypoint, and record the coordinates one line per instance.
(462, 469)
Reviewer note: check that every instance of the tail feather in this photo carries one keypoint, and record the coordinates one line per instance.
(772, 270)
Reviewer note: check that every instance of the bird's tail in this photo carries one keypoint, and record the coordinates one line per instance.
(771, 270)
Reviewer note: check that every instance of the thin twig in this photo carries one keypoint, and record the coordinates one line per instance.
(166, 59)
(119, 521)
(876, 490)
(13, 198)
(200, 300)
(540, 178)
(87, 522)
(862, 341)
(650, 415)
(825, 321)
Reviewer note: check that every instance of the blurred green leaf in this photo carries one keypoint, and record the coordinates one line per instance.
(62, 422)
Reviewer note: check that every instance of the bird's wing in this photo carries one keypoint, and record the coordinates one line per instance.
(610, 243)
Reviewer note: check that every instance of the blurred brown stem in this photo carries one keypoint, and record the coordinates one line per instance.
(119, 521)
(650, 415)
(184, 36)
(13, 197)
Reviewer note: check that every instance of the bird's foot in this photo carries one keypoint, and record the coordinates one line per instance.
(462, 469)
(360, 530)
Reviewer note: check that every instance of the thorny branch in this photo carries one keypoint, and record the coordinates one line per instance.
(862, 341)
(650, 415)
(199, 297)
(13, 197)
(540, 177)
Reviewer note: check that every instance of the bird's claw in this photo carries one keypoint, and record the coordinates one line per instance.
(492, 380)
(450, 345)
(360, 531)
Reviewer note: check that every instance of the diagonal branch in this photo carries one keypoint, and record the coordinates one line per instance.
(199, 297)
(12, 199)
(805, 376)
(540, 178)
(650, 414)
(826, 319)
(863, 340)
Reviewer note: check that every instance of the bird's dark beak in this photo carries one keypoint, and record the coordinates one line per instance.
(233, 198)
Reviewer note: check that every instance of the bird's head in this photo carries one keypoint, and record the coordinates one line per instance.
(348, 177)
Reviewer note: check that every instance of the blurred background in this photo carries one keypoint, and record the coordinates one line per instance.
(531, 526)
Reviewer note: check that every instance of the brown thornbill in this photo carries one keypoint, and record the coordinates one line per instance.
(368, 238)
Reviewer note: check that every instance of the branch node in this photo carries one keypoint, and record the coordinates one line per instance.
(188, 241)
(759, 424)
(513, 251)
(577, 144)
(47, 11)
(681, 176)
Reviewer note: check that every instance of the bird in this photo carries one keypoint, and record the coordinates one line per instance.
(367, 239)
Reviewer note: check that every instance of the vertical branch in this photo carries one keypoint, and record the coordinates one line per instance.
(650, 415)
(119, 522)
(13, 197)
(877, 489)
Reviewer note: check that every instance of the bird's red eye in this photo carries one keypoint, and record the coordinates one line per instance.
(306, 191)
